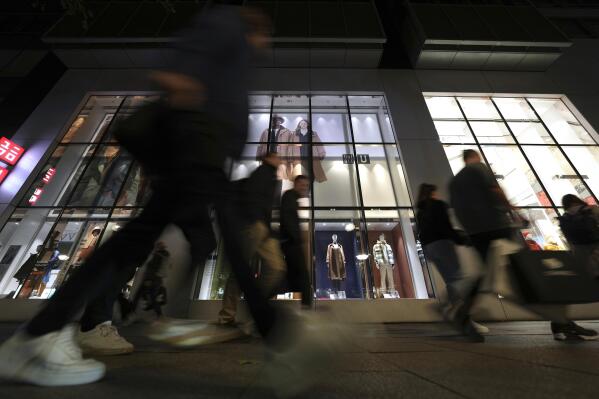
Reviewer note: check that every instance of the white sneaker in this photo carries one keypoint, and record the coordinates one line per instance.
(53, 359)
(479, 327)
(185, 333)
(104, 339)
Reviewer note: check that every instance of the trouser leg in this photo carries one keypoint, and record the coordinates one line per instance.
(391, 282)
(107, 267)
(443, 254)
(383, 271)
(230, 301)
(229, 218)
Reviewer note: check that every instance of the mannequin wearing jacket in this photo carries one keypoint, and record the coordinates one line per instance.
(336, 262)
(385, 262)
(278, 137)
(298, 153)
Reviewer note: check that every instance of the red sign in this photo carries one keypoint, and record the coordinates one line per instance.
(9, 151)
(36, 195)
(3, 173)
(49, 175)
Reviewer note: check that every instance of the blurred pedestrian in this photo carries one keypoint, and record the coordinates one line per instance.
(204, 112)
(439, 239)
(257, 194)
(291, 240)
(486, 214)
(580, 225)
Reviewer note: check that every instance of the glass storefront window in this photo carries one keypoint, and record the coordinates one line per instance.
(345, 144)
(538, 150)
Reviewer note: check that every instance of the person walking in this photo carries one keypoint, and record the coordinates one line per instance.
(291, 240)
(580, 225)
(257, 196)
(482, 208)
(439, 240)
(205, 112)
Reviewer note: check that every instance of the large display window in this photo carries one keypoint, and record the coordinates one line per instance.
(537, 148)
(357, 222)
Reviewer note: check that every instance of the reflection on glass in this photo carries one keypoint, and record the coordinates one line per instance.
(561, 122)
(515, 109)
(530, 133)
(491, 132)
(515, 177)
(557, 175)
(340, 187)
(103, 178)
(454, 132)
(375, 176)
(586, 161)
(443, 108)
(454, 155)
(478, 108)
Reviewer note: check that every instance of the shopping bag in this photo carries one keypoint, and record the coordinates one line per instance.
(553, 277)
(500, 278)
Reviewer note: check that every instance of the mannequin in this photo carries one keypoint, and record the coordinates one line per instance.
(298, 153)
(336, 263)
(385, 262)
(275, 139)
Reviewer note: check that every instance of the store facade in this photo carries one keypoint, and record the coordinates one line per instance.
(372, 137)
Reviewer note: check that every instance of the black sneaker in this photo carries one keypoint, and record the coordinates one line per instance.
(572, 332)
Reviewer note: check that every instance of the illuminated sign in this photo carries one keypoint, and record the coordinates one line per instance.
(49, 175)
(37, 193)
(3, 173)
(9, 151)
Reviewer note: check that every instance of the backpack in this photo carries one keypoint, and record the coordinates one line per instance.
(143, 135)
(581, 227)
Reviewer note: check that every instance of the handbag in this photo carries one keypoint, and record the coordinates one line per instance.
(553, 277)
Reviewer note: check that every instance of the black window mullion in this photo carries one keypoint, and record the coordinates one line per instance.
(563, 152)
(311, 223)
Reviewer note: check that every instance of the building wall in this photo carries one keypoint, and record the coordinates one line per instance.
(423, 157)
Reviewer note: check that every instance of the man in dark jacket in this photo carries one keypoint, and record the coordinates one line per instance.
(205, 121)
(257, 195)
(291, 240)
(483, 209)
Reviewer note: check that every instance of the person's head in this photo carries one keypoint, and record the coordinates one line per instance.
(471, 156)
(382, 237)
(277, 121)
(96, 231)
(303, 124)
(571, 200)
(259, 27)
(301, 184)
(426, 192)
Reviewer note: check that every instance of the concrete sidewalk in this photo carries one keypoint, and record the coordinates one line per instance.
(519, 360)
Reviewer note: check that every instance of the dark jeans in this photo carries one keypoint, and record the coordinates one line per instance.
(297, 271)
(181, 199)
(443, 254)
(201, 240)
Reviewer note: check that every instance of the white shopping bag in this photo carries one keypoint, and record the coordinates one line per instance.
(499, 278)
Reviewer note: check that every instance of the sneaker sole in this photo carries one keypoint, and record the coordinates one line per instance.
(565, 337)
(196, 338)
(107, 351)
(48, 379)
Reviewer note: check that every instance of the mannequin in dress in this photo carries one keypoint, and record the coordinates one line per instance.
(385, 262)
(336, 263)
